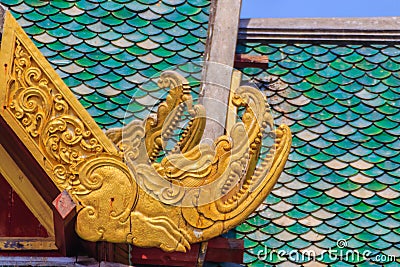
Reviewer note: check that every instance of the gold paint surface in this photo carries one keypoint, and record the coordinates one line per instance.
(122, 194)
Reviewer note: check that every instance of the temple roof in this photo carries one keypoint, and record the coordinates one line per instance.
(341, 102)
(104, 50)
(339, 97)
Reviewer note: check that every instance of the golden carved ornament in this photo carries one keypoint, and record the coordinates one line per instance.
(122, 194)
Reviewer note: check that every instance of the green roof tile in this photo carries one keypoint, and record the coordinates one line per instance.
(59, 4)
(345, 95)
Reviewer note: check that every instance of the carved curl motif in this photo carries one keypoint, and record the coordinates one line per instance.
(193, 194)
(43, 112)
(211, 186)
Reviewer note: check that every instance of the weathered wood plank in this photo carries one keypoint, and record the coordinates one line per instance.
(2, 14)
(220, 49)
(251, 61)
(27, 243)
(219, 250)
(326, 30)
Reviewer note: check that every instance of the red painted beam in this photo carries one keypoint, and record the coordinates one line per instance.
(155, 256)
(219, 250)
(64, 216)
(64, 224)
(27, 163)
(225, 250)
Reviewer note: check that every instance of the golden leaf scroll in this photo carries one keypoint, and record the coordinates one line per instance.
(122, 194)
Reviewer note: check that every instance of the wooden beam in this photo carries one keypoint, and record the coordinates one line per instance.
(25, 190)
(65, 236)
(219, 59)
(2, 14)
(320, 30)
(219, 250)
(105, 252)
(27, 163)
(225, 250)
(122, 253)
(27, 243)
(64, 223)
(155, 256)
(46, 260)
(251, 61)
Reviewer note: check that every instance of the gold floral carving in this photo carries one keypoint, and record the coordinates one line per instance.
(46, 116)
(194, 193)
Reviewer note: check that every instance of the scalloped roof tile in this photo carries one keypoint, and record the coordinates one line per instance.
(347, 104)
(94, 32)
(341, 102)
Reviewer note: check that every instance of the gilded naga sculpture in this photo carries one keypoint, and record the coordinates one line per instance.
(124, 189)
